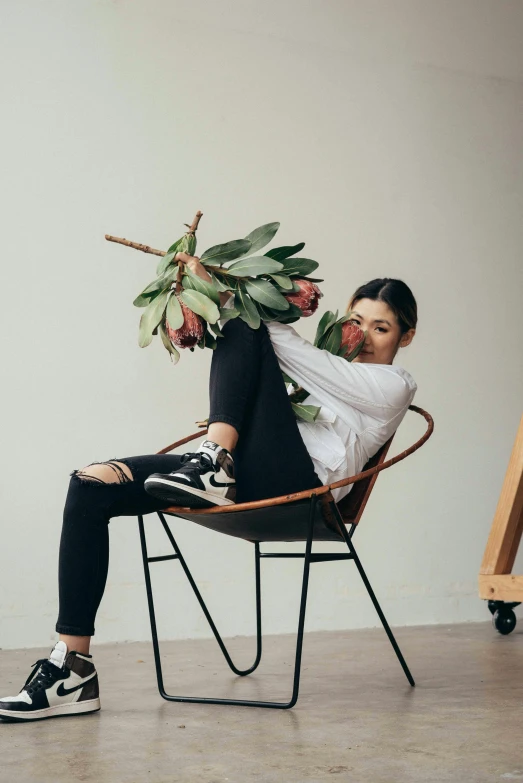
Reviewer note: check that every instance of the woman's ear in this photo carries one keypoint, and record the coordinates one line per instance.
(407, 338)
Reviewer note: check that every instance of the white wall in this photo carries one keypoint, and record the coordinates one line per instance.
(385, 135)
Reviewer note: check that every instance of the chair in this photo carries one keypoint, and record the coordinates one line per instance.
(311, 515)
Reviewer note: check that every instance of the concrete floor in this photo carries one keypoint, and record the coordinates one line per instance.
(357, 718)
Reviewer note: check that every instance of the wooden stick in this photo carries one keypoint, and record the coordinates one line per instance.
(145, 248)
(136, 245)
(193, 228)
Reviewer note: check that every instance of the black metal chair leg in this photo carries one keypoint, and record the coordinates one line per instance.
(240, 672)
(303, 605)
(301, 621)
(150, 602)
(150, 599)
(374, 600)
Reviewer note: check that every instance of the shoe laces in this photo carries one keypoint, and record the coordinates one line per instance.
(44, 673)
(197, 461)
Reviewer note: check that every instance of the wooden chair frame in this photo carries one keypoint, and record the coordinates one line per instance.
(497, 584)
(319, 518)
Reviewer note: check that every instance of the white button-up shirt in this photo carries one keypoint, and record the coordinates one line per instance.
(362, 404)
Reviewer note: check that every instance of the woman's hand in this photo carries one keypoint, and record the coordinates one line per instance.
(194, 264)
(197, 268)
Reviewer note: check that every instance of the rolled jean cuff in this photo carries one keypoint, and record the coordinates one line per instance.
(224, 419)
(74, 630)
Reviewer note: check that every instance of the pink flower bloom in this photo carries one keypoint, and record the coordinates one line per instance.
(190, 332)
(351, 337)
(307, 298)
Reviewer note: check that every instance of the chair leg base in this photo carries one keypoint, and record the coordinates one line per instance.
(276, 705)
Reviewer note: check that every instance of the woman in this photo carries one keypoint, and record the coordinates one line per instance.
(255, 448)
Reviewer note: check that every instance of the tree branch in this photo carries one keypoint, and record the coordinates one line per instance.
(145, 248)
(193, 228)
(136, 245)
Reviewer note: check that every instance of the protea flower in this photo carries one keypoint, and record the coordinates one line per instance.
(351, 337)
(190, 332)
(307, 298)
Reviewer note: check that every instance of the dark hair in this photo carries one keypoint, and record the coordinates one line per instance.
(396, 294)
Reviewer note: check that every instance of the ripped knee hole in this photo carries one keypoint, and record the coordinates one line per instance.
(110, 472)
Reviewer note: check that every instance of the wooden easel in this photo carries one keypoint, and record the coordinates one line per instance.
(496, 581)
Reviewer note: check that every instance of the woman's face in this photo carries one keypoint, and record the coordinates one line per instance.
(384, 336)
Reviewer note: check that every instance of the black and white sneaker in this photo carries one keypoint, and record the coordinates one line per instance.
(205, 479)
(63, 684)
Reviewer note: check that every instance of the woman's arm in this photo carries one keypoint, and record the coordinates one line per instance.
(374, 389)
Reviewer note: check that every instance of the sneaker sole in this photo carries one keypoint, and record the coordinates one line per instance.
(74, 708)
(164, 489)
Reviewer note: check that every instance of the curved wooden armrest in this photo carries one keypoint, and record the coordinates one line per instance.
(306, 493)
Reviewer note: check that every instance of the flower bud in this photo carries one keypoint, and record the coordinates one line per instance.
(307, 298)
(190, 332)
(351, 337)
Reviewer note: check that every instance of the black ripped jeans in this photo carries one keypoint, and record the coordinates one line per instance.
(246, 390)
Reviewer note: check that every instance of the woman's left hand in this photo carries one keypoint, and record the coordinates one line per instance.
(194, 264)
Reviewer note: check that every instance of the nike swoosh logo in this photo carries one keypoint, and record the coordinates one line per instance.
(214, 483)
(61, 691)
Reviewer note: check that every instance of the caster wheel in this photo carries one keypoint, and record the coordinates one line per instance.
(493, 606)
(504, 620)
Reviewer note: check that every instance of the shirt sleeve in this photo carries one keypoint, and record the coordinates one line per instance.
(374, 389)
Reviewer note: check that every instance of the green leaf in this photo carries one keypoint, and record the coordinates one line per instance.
(170, 274)
(216, 329)
(188, 284)
(266, 314)
(299, 266)
(175, 245)
(154, 288)
(254, 265)
(323, 340)
(284, 282)
(199, 284)
(266, 293)
(189, 241)
(158, 285)
(143, 301)
(168, 344)
(208, 340)
(279, 253)
(228, 313)
(247, 309)
(293, 312)
(261, 236)
(167, 259)
(326, 321)
(219, 284)
(305, 412)
(169, 256)
(314, 279)
(173, 312)
(333, 341)
(200, 304)
(151, 317)
(227, 252)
